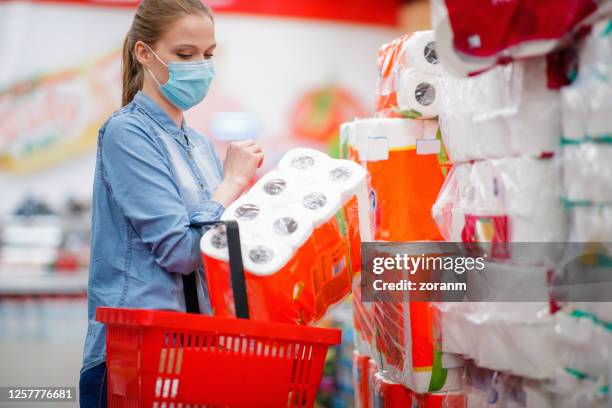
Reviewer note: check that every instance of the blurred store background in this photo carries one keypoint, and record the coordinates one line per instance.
(288, 73)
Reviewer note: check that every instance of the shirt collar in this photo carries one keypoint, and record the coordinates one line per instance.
(158, 115)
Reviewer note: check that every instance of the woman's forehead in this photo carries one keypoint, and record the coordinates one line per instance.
(196, 30)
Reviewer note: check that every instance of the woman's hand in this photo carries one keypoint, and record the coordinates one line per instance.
(241, 161)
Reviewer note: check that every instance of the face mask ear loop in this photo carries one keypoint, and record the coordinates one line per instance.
(159, 59)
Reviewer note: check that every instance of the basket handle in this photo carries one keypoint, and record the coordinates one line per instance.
(236, 272)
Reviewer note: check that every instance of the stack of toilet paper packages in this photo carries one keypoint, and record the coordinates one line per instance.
(490, 388)
(516, 338)
(406, 165)
(473, 37)
(499, 201)
(301, 228)
(408, 74)
(587, 137)
(406, 351)
(506, 111)
(587, 102)
(363, 321)
(584, 346)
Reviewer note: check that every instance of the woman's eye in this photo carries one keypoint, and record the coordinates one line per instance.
(184, 56)
(208, 56)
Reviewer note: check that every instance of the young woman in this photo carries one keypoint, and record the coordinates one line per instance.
(155, 177)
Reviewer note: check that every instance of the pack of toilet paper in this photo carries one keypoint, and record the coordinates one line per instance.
(517, 338)
(406, 350)
(498, 201)
(301, 228)
(587, 171)
(408, 74)
(406, 163)
(587, 102)
(573, 389)
(506, 111)
(496, 389)
(363, 320)
(585, 340)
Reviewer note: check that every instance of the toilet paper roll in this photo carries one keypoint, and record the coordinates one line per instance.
(290, 225)
(504, 112)
(527, 336)
(507, 282)
(420, 53)
(248, 211)
(275, 188)
(587, 171)
(266, 258)
(501, 201)
(591, 224)
(419, 92)
(303, 163)
(320, 202)
(349, 179)
(583, 345)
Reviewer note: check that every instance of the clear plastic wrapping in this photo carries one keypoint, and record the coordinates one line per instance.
(301, 229)
(587, 102)
(504, 112)
(408, 73)
(587, 172)
(493, 388)
(498, 201)
(517, 338)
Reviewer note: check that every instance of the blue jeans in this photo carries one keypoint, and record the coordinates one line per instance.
(92, 387)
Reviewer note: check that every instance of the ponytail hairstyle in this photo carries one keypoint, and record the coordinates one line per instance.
(150, 20)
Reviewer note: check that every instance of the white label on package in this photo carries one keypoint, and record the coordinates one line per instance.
(427, 146)
(378, 148)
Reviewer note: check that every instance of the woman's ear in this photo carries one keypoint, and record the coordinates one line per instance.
(142, 53)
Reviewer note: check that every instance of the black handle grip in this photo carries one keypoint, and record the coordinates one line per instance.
(236, 270)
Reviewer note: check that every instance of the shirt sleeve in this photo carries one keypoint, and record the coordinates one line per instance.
(143, 186)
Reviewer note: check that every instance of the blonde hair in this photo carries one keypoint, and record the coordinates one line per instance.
(150, 20)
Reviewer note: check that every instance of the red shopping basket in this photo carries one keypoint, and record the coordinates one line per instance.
(163, 359)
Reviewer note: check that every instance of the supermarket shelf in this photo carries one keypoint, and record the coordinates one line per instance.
(44, 285)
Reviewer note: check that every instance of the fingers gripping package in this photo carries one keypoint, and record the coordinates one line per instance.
(408, 73)
(301, 228)
(406, 163)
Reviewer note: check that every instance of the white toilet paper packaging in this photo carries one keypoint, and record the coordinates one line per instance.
(587, 102)
(507, 111)
(407, 164)
(584, 342)
(517, 338)
(407, 74)
(587, 171)
(502, 201)
(404, 341)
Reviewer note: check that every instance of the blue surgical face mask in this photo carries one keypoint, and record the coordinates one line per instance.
(188, 82)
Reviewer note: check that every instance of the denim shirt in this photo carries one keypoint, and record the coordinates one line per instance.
(152, 181)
